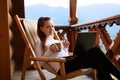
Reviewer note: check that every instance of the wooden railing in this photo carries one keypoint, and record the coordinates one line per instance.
(112, 46)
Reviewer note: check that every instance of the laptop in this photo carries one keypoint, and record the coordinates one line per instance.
(84, 41)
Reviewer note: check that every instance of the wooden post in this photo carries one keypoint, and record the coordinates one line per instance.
(5, 72)
(73, 20)
(73, 12)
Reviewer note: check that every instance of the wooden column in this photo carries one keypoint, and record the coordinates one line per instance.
(73, 12)
(73, 20)
(5, 61)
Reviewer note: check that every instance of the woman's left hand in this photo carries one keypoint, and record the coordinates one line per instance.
(66, 43)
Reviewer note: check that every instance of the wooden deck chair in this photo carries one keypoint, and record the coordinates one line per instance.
(30, 37)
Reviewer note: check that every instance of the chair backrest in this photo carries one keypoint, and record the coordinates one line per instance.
(30, 27)
(23, 33)
(28, 46)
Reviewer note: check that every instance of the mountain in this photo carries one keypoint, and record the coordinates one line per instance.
(60, 15)
(97, 11)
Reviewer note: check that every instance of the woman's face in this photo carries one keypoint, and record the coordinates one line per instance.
(48, 28)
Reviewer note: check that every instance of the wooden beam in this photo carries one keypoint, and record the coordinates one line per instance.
(5, 73)
(73, 10)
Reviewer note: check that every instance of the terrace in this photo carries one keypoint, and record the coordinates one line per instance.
(10, 37)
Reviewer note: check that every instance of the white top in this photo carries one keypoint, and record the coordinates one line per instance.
(48, 53)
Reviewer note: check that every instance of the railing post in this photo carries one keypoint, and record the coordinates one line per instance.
(73, 20)
(73, 10)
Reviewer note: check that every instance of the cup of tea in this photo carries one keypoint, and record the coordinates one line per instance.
(58, 46)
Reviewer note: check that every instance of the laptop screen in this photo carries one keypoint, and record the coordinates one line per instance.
(84, 41)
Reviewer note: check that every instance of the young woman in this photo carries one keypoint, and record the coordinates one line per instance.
(93, 58)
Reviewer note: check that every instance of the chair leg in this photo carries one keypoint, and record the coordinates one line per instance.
(23, 70)
(39, 70)
(57, 78)
(25, 62)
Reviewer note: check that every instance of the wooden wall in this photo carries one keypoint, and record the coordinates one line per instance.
(17, 42)
(6, 62)
(11, 45)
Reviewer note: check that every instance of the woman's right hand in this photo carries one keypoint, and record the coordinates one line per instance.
(55, 48)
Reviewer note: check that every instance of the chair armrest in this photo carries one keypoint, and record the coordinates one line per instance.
(48, 59)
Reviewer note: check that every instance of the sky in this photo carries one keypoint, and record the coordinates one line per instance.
(65, 3)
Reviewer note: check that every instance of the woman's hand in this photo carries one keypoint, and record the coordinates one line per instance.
(66, 43)
(55, 47)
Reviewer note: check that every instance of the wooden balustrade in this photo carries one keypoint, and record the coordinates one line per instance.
(100, 27)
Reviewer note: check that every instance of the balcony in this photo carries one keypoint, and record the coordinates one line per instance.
(112, 48)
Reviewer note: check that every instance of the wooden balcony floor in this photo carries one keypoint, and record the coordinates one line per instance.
(33, 75)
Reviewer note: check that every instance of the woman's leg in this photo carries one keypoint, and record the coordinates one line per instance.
(94, 58)
(85, 61)
(102, 63)
(104, 75)
(72, 65)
